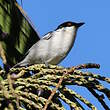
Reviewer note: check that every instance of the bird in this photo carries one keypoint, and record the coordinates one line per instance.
(53, 47)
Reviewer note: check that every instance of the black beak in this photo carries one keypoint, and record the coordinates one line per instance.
(79, 24)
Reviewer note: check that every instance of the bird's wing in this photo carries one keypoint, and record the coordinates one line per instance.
(48, 35)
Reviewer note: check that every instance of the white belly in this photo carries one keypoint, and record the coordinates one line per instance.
(54, 50)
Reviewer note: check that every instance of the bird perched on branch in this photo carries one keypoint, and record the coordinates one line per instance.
(53, 47)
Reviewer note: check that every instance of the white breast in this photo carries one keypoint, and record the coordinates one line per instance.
(60, 44)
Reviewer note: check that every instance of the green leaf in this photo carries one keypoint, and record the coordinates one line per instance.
(17, 34)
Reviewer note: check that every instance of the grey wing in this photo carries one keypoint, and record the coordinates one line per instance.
(23, 60)
(48, 35)
(32, 50)
(45, 37)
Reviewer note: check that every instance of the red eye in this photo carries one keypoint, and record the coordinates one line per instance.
(69, 24)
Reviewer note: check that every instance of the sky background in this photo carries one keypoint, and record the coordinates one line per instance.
(93, 39)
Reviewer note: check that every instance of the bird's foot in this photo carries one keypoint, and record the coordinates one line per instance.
(46, 64)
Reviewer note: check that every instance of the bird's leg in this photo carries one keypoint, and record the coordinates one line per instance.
(46, 63)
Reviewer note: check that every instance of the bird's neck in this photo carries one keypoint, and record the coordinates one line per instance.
(69, 38)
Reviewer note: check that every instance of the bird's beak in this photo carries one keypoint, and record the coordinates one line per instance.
(80, 24)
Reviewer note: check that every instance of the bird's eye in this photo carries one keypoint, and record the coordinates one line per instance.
(69, 24)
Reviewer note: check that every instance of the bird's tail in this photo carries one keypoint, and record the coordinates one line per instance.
(20, 64)
(16, 65)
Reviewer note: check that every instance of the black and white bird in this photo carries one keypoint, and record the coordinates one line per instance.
(53, 47)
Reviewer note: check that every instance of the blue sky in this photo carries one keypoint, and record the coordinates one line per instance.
(93, 39)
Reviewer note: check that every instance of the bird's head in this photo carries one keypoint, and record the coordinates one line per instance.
(70, 24)
(68, 29)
